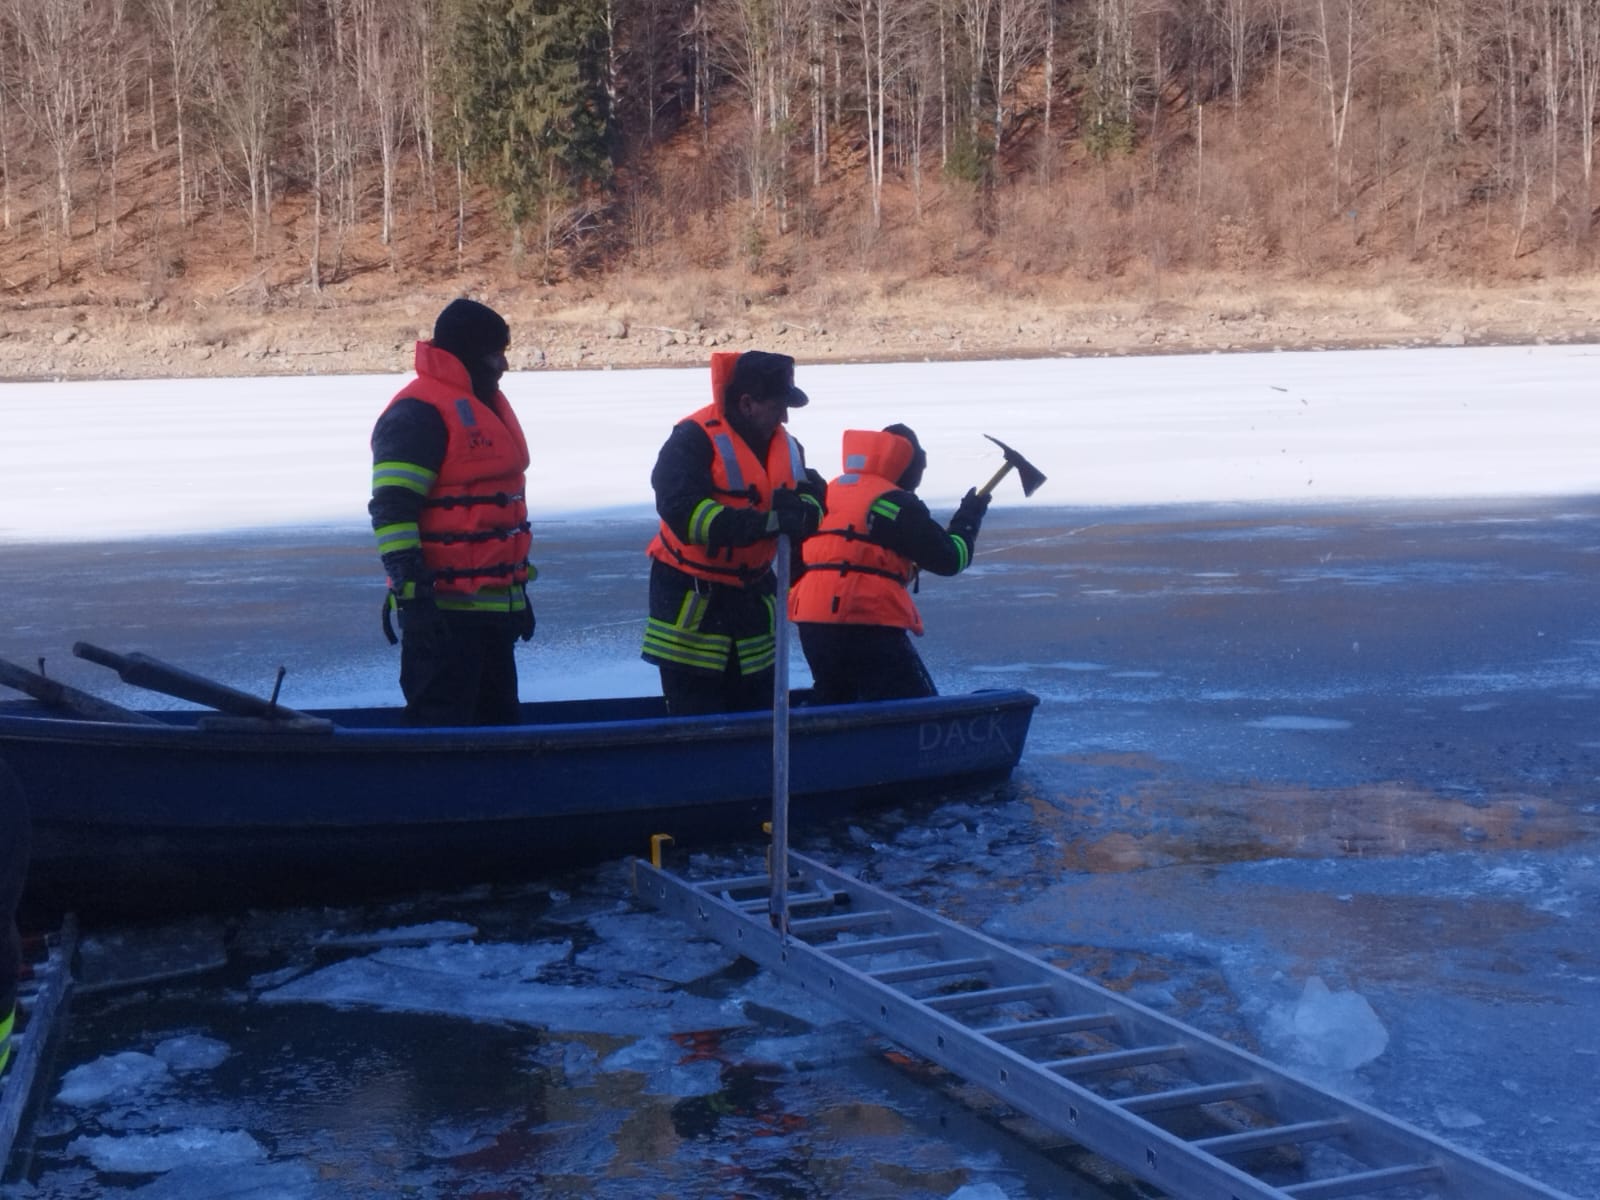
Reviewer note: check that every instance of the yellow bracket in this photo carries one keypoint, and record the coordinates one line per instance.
(657, 840)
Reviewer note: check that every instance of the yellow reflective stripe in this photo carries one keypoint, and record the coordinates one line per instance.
(963, 551)
(489, 599)
(757, 653)
(700, 522)
(6, 1027)
(403, 535)
(403, 475)
(885, 508)
(664, 643)
(760, 653)
(693, 610)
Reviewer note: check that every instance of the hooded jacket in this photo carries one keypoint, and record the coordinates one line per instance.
(850, 578)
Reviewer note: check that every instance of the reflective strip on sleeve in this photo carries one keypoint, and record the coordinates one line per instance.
(887, 509)
(700, 520)
(6, 1026)
(403, 475)
(402, 536)
(963, 551)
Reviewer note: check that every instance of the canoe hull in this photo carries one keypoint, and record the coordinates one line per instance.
(133, 818)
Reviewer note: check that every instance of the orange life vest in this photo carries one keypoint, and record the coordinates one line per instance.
(474, 522)
(849, 579)
(740, 480)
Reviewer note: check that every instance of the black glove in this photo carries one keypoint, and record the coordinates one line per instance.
(793, 514)
(420, 616)
(737, 527)
(969, 514)
(523, 621)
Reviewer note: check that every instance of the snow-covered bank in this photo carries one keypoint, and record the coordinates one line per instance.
(83, 461)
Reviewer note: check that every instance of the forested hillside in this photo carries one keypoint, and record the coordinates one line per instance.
(276, 148)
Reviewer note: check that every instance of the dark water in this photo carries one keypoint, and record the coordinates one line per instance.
(1357, 743)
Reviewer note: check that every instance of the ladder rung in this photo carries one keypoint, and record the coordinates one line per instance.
(1112, 1060)
(988, 997)
(1363, 1181)
(876, 916)
(1022, 1031)
(721, 887)
(931, 970)
(1278, 1135)
(1189, 1097)
(802, 900)
(879, 945)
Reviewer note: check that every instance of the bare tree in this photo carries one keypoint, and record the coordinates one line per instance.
(389, 54)
(53, 37)
(185, 29)
(247, 96)
(760, 43)
(1019, 32)
(1583, 28)
(1336, 46)
(877, 43)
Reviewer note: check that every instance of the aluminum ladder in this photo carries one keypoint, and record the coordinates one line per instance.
(1196, 1117)
(41, 1004)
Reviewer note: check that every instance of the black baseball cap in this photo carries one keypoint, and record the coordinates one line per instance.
(764, 374)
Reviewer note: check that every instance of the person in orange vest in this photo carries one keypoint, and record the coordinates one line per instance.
(449, 477)
(853, 605)
(14, 839)
(728, 481)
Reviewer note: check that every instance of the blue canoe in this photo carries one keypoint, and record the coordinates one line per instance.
(196, 810)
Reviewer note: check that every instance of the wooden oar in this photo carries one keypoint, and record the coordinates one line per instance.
(57, 695)
(143, 671)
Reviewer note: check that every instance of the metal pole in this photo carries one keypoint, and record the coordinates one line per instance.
(778, 867)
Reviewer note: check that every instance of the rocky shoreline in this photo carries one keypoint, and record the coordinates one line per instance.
(82, 338)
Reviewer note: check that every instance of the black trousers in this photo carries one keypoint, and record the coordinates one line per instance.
(855, 663)
(690, 693)
(464, 672)
(15, 830)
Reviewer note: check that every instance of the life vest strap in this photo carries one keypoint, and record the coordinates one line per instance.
(743, 574)
(502, 499)
(482, 535)
(845, 568)
(499, 570)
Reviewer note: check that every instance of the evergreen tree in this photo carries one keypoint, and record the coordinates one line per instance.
(528, 104)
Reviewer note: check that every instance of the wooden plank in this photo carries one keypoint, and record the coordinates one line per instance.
(56, 695)
(143, 671)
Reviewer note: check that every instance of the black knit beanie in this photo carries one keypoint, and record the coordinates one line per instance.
(473, 332)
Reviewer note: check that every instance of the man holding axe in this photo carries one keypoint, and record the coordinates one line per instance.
(853, 605)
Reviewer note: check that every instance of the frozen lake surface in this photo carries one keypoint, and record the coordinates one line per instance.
(1322, 779)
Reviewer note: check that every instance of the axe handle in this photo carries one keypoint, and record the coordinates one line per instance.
(998, 476)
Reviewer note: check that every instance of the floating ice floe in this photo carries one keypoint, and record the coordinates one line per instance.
(1326, 1030)
(501, 982)
(114, 1077)
(150, 1154)
(191, 1052)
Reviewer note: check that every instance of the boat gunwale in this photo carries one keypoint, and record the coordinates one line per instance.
(45, 727)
